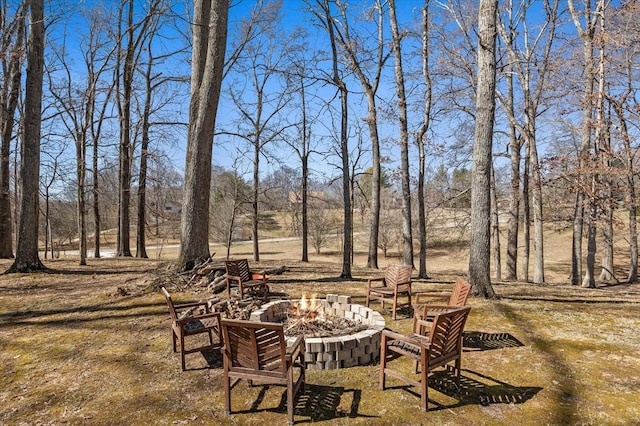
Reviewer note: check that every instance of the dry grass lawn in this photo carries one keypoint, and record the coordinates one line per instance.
(92, 345)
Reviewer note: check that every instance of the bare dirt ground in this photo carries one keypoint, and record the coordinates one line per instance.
(92, 345)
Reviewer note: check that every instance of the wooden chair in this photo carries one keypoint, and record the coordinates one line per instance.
(239, 275)
(395, 283)
(441, 347)
(185, 322)
(423, 313)
(258, 351)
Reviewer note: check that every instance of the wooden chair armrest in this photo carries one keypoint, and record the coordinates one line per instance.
(190, 305)
(413, 339)
(439, 296)
(420, 322)
(200, 317)
(234, 278)
(295, 348)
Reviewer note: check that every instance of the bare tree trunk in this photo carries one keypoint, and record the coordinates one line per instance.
(536, 200)
(9, 92)
(479, 254)
(606, 274)
(27, 258)
(305, 177)
(370, 87)
(323, 14)
(81, 169)
(426, 74)
(513, 222)
(124, 81)
(588, 281)
(587, 35)
(495, 229)
(347, 247)
(209, 43)
(631, 193)
(254, 202)
(141, 245)
(526, 215)
(407, 238)
(95, 191)
(96, 131)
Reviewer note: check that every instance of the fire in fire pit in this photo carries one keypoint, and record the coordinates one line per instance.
(311, 319)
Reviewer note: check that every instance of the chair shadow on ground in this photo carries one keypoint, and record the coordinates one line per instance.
(481, 341)
(213, 358)
(471, 391)
(314, 403)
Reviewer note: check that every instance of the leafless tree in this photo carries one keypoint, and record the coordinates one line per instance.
(323, 15)
(530, 62)
(624, 36)
(361, 59)
(479, 254)
(260, 69)
(209, 43)
(76, 103)
(157, 93)
(302, 79)
(420, 139)
(231, 198)
(590, 16)
(130, 37)
(27, 258)
(407, 237)
(12, 39)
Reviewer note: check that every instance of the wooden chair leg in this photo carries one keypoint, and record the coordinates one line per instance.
(383, 361)
(227, 393)
(182, 351)
(394, 306)
(290, 405)
(424, 382)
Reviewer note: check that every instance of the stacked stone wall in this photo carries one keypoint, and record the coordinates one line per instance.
(359, 348)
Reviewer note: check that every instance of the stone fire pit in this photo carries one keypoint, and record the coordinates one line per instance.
(327, 353)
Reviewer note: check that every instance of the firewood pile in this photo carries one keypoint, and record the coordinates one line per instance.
(236, 308)
(208, 276)
(311, 324)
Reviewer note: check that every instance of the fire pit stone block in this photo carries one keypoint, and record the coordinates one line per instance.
(333, 352)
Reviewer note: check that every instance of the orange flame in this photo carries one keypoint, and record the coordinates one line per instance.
(309, 307)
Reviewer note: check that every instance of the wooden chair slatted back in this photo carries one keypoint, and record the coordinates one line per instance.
(397, 274)
(172, 308)
(238, 268)
(460, 292)
(255, 346)
(445, 336)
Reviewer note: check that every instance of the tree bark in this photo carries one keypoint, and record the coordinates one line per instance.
(630, 188)
(27, 258)
(370, 88)
(9, 94)
(426, 75)
(526, 215)
(407, 238)
(479, 254)
(495, 230)
(209, 43)
(587, 36)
